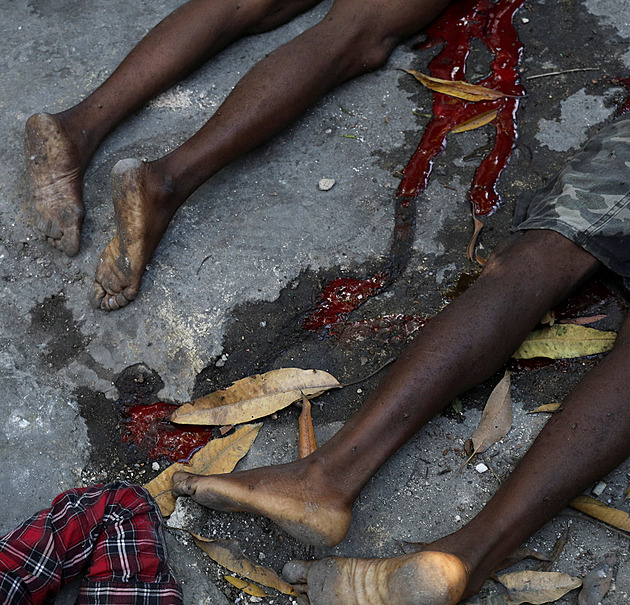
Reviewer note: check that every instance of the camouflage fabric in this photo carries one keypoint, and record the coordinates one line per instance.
(589, 201)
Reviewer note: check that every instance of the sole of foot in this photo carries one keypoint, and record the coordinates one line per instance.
(425, 578)
(55, 173)
(122, 263)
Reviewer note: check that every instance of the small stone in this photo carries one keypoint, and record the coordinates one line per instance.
(481, 468)
(598, 490)
(155, 466)
(325, 184)
(525, 20)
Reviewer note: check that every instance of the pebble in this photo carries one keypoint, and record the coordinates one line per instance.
(155, 466)
(481, 468)
(325, 184)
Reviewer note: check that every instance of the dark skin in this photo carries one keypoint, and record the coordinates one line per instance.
(355, 37)
(312, 498)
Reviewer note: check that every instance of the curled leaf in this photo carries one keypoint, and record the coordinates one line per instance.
(307, 443)
(548, 407)
(228, 553)
(538, 587)
(597, 509)
(218, 456)
(457, 88)
(246, 587)
(597, 582)
(470, 251)
(563, 341)
(477, 122)
(254, 397)
(496, 419)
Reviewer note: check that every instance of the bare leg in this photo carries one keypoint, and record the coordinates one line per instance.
(579, 444)
(312, 498)
(58, 148)
(355, 37)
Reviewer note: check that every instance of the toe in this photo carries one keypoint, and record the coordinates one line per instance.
(183, 484)
(296, 571)
(69, 242)
(97, 295)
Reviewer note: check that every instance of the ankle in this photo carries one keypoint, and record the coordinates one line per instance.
(79, 134)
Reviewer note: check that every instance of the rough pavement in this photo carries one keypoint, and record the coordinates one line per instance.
(247, 256)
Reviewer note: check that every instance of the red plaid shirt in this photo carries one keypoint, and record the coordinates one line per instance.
(112, 532)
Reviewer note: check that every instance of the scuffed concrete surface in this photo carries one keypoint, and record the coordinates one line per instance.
(247, 255)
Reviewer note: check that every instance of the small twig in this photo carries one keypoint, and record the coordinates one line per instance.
(349, 384)
(201, 264)
(564, 71)
(556, 551)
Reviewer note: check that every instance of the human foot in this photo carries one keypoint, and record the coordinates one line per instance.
(140, 224)
(55, 172)
(424, 578)
(307, 512)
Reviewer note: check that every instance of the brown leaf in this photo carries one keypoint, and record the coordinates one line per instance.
(556, 551)
(597, 582)
(228, 553)
(246, 587)
(626, 492)
(218, 456)
(307, 443)
(538, 587)
(496, 419)
(522, 552)
(477, 122)
(597, 509)
(580, 321)
(548, 407)
(470, 250)
(563, 341)
(255, 396)
(457, 88)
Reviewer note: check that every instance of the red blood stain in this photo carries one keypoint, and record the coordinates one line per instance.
(341, 296)
(460, 24)
(387, 329)
(455, 30)
(147, 427)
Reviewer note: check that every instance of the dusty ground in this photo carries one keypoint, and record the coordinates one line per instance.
(246, 258)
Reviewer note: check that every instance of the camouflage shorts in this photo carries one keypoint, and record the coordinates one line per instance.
(589, 201)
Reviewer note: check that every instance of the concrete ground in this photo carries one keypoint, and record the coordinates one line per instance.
(247, 256)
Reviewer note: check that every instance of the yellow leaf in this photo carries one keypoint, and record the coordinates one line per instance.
(306, 443)
(218, 456)
(477, 122)
(538, 587)
(246, 587)
(562, 341)
(548, 407)
(457, 88)
(597, 509)
(496, 419)
(255, 396)
(229, 554)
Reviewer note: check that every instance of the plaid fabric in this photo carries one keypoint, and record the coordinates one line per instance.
(112, 532)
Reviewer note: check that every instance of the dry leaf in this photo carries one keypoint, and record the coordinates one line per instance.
(626, 493)
(538, 587)
(597, 509)
(255, 396)
(218, 456)
(548, 407)
(496, 419)
(597, 582)
(470, 250)
(580, 321)
(457, 88)
(246, 587)
(522, 552)
(477, 122)
(228, 553)
(306, 443)
(562, 341)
